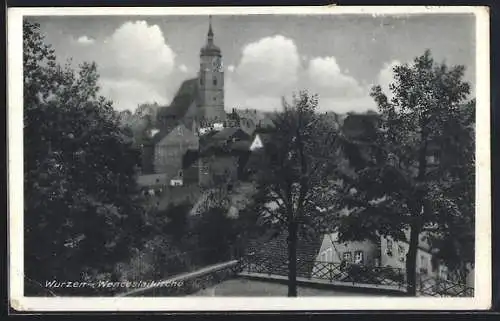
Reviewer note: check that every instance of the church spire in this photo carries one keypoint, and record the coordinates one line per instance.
(210, 37)
(210, 49)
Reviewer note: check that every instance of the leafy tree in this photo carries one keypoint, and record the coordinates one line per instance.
(215, 233)
(418, 177)
(177, 225)
(82, 207)
(455, 245)
(295, 174)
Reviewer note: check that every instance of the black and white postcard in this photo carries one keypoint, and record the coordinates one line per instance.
(206, 159)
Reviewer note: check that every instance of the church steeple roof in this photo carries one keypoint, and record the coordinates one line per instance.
(210, 32)
(210, 49)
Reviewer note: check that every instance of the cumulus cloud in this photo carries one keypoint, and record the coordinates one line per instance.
(272, 68)
(85, 40)
(127, 94)
(237, 97)
(338, 91)
(136, 63)
(268, 69)
(386, 77)
(327, 79)
(140, 50)
(268, 66)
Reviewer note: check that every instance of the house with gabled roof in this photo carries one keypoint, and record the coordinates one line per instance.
(170, 147)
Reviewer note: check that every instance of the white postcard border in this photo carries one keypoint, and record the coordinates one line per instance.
(483, 281)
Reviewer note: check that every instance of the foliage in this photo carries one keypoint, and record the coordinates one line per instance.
(399, 190)
(140, 122)
(215, 232)
(174, 221)
(82, 206)
(157, 259)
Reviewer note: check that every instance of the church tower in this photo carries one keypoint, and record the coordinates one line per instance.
(211, 82)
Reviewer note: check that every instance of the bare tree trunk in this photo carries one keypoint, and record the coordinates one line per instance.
(411, 262)
(292, 259)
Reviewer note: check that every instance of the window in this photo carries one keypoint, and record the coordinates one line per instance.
(215, 81)
(358, 257)
(180, 174)
(347, 256)
(389, 247)
(201, 81)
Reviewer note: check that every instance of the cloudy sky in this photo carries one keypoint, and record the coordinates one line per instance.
(144, 59)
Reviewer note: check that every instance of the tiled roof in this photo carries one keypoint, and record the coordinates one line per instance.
(222, 139)
(275, 248)
(182, 100)
(225, 134)
(242, 145)
(179, 107)
(164, 131)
